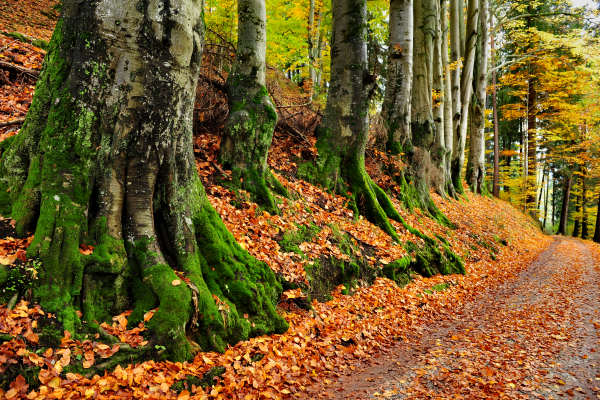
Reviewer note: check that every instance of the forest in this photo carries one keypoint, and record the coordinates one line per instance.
(248, 199)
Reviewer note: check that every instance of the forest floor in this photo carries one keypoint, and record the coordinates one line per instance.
(499, 331)
(533, 336)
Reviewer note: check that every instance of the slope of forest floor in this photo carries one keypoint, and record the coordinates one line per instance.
(314, 236)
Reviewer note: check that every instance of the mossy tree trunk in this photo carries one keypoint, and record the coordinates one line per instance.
(476, 164)
(105, 158)
(252, 115)
(423, 173)
(396, 110)
(343, 134)
(466, 92)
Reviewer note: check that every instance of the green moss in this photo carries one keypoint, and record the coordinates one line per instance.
(244, 286)
(25, 208)
(399, 271)
(440, 287)
(42, 44)
(17, 279)
(292, 239)
(248, 135)
(169, 322)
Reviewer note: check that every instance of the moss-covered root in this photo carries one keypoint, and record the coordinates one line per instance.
(413, 197)
(261, 185)
(367, 195)
(243, 290)
(430, 260)
(247, 139)
(457, 180)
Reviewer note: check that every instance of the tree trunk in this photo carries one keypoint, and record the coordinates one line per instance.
(314, 39)
(456, 24)
(547, 195)
(554, 205)
(396, 109)
(448, 104)
(531, 149)
(423, 173)
(476, 165)
(439, 150)
(585, 233)
(597, 231)
(577, 217)
(539, 201)
(343, 133)
(252, 116)
(466, 92)
(564, 212)
(496, 186)
(105, 158)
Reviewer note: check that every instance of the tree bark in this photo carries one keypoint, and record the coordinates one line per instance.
(448, 101)
(531, 177)
(396, 110)
(456, 24)
(585, 233)
(597, 231)
(439, 151)
(577, 217)
(496, 185)
(466, 92)
(547, 195)
(343, 133)
(423, 173)
(314, 43)
(252, 116)
(564, 212)
(476, 165)
(105, 158)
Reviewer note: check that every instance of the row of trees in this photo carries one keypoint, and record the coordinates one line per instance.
(105, 155)
(547, 106)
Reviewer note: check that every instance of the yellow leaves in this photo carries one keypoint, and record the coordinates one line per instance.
(54, 382)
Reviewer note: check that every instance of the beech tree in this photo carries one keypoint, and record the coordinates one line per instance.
(342, 136)
(422, 121)
(252, 116)
(476, 164)
(396, 109)
(466, 91)
(105, 158)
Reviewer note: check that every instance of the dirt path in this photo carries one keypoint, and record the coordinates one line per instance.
(536, 336)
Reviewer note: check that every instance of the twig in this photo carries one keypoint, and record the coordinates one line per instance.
(295, 105)
(5, 65)
(17, 121)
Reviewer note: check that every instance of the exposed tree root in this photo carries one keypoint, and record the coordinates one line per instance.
(89, 169)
